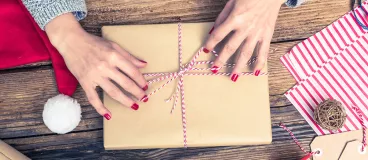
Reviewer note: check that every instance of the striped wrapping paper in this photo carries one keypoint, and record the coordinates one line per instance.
(331, 64)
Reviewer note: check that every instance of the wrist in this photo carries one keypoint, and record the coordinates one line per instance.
(62, 28)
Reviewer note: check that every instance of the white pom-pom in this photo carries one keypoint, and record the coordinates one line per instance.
(61, 114)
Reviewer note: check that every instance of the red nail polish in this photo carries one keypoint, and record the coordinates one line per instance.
(257, 72)
(205, 50)
(215, 69)
(107, 116)
(211, 30)
(234, 77)
(308, 156)
(145, 88)
(135, 106)
(142, 61)
(145, 98)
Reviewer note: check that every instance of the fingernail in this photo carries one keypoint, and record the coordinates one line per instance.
(107, 116)
(135, 106)
(234, 77)
(205, 50)
(256, 73)
(145, 98)
(145, 88)
(215, 69)
(211, 30)
(142, 61)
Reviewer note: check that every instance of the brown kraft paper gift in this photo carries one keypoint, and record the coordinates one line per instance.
(9, 153)
(219, 112)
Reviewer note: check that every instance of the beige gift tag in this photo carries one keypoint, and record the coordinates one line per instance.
(353, 150)
(333, 146)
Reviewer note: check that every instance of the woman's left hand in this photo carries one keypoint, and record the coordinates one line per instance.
(252, 21)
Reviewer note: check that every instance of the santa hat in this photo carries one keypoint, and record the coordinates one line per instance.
(23, 42)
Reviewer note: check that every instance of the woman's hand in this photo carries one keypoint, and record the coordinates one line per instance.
(95, 61)
(252, 22)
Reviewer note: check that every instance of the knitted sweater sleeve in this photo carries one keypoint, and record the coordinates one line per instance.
(294, 3)
(43, 11)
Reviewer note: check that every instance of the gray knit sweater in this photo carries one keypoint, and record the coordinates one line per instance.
(294, 3)
(43, 11)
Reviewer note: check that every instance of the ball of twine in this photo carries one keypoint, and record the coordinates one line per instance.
(330, 114)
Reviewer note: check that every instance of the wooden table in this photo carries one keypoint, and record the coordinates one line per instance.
(24, 90)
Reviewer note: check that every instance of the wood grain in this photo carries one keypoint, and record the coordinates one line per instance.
(25, 89)
(292, 24)
(89, 145)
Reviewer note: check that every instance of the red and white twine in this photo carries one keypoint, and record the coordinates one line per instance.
(364, 128)
(184, 71)
(309, 154)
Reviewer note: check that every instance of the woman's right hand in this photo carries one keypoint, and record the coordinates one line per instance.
(95, 61)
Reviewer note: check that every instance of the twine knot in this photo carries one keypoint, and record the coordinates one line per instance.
(184, 71)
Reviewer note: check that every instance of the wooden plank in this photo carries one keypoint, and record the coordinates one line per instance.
(90, 145)
(292, 24)
(32, 65)
(24, 92)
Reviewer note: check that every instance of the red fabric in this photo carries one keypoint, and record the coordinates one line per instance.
(23, 42)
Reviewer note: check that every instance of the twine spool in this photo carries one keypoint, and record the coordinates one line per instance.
(330, 115)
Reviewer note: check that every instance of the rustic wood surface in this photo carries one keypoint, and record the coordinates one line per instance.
(24, 90)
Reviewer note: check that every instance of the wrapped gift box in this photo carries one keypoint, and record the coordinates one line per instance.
(9, 153)
(219, 112)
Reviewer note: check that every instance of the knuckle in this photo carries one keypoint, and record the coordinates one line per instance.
(114, 93)
(114, 56)
(102, 65)
(246, 53)
(84, 83)
(216, 37)
(237, 20)
(229, 49)
(134, 73)
(100, 110)
(91, 99)
(141, 93)
(261, 60)
(252, 27)
(129, 85)
(263, 55)
(221, 60)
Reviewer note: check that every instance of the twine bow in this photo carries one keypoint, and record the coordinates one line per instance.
(184, 71)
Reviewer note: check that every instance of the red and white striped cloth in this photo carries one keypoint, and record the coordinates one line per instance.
(332, 64)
